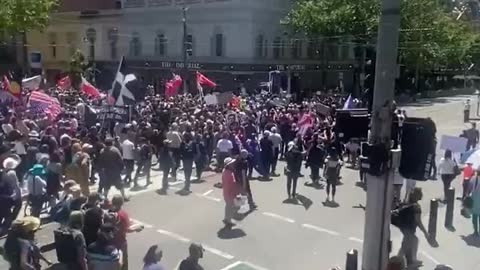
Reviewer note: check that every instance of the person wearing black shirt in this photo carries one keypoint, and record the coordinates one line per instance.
(145, 161)
(188, 152)
(472, 136)
(191, 263)
(266, 146)
(294, 164)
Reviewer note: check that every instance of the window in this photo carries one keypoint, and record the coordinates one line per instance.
(52, 40)
(160, 44)
(135, 45)
(277, 44)
(296, 48)
(113, 40)
(259, 46)
(219, 45)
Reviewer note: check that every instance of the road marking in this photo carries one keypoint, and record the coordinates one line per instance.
(148, 226)
(355, 239)
(319, 229)
(208, 192)
(428, 256)
(178, 182)
(251, 265)
(273, 215)
(211, 198)
(218, 252)
(174, 236)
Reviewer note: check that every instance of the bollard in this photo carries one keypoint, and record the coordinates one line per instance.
(352, 260)
(466, 115)
(432, 221)
(450, 205)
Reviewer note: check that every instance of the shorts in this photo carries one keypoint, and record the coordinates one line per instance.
(115, 181)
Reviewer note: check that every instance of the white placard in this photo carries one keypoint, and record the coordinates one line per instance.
(211, 99)
(455, 144)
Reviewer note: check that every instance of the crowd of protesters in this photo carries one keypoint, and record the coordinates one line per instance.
(53, 162)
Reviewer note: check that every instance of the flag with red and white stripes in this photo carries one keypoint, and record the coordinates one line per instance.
(42, 103)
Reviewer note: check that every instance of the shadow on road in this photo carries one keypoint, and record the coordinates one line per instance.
(471, 240)
(227, 233)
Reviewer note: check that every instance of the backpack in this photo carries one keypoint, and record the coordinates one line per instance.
(61, 211)
(403, 217)
(65, 245)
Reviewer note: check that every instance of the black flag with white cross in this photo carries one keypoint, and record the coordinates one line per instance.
(126, 88)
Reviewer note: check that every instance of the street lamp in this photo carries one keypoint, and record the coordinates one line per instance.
(91, 37)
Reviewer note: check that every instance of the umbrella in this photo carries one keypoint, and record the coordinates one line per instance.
(466, 155)
(474, 158)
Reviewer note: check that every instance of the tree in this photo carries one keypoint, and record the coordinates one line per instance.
(78, 66)
(430, 35)
(17, 16)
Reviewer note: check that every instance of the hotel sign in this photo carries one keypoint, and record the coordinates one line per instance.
(180, 65)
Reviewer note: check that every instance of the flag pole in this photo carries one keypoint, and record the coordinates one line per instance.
(185, 49)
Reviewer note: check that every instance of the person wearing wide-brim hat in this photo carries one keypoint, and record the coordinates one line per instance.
(11, 198)
(20, 249)
(36, 184)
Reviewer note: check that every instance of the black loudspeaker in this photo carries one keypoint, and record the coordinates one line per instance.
(352, 123)
(418, 143)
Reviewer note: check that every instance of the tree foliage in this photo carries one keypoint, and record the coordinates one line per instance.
(430, 35)
(23, 15)
(78, 66)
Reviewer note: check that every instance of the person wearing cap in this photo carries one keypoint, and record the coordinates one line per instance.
(10, 193)
(36, 185)
(20, 249)
(192, 262)
(231, 189)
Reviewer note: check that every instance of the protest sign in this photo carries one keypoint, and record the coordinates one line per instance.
(455, 144)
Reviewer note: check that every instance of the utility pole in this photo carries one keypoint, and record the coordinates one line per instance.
(380, 186)
(185, 50)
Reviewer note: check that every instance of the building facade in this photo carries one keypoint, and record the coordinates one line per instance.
(235, 42)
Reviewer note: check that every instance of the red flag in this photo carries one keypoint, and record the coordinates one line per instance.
(171, 87)
(235, 102)
(89, 89)
(64, 83)
(12, 87)
(204, 81)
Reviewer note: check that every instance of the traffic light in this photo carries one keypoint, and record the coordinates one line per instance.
(189, 45)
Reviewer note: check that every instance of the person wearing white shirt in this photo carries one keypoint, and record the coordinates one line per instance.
(446, 169)
(224, 149)
(277, 143)
(37, 188)
(128, 154)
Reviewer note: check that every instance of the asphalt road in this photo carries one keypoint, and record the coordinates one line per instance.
(280, 235)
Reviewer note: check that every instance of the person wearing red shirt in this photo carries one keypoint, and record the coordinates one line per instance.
(124, 226)
(468, 173)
